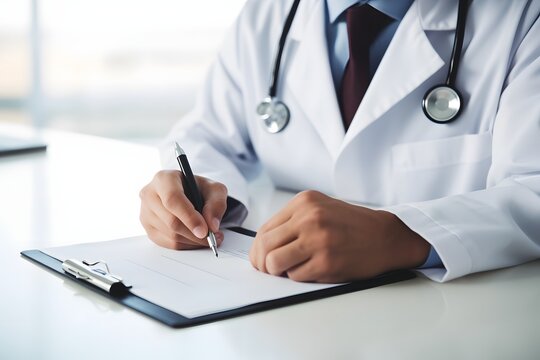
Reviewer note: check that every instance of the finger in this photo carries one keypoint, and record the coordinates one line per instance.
(219, 237)
(278, 219)
(296, 204)
(162, 240)
(215, 202)
(183, 236)
(287, 257)
(266, 242)
(277, 237)
(170, 225)
(305, 272)
(174, 241)
(170, 191)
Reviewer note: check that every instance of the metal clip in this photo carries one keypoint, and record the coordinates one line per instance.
(91, 273)
(107, 272)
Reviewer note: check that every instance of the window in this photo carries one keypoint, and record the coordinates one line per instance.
(122, 68)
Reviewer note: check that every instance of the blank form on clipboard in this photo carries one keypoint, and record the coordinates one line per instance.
(191, 282)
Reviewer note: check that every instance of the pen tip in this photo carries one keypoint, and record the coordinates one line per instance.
(178, 149)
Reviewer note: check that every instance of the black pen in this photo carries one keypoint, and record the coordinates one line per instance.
(192, 191)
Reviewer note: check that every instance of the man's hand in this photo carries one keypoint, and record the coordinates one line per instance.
(169, 218)
(321, 239)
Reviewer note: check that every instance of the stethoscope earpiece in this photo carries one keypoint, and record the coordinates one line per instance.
(442, 104)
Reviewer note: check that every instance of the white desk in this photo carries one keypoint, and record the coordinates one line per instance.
(86, 189)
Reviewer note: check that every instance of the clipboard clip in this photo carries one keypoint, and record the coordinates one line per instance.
(92, 273)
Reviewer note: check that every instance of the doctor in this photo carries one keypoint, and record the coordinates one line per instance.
(456, 175)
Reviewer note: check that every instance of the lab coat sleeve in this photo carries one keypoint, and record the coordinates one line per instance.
(499, 226)
(214, 133)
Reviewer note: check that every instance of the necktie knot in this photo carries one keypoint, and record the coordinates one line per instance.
(364, 23)
(366, 19)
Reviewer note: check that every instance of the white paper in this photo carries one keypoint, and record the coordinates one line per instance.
(191, 282)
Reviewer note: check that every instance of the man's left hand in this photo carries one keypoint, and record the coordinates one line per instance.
(317, 238)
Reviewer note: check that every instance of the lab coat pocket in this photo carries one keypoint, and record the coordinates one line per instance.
(436, 168)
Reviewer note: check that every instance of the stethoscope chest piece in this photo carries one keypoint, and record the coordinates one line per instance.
(274, 114)
(442, 104)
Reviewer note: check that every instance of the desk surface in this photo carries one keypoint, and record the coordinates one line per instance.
(86, 189)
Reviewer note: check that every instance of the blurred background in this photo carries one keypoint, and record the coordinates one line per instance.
(125, 69)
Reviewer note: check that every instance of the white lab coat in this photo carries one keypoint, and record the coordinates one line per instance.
(471, 188)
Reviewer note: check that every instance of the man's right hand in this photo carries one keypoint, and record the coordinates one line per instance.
(169, 218)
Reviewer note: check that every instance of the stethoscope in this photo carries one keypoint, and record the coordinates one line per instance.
(441, 104)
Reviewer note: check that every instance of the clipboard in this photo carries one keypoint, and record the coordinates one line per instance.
(123, 295)
(10, 145)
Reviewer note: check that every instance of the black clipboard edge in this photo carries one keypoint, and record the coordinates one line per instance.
(128, 299)
(176, 320)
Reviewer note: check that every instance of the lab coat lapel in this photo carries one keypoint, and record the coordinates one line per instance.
(309, 77)
(408, 62)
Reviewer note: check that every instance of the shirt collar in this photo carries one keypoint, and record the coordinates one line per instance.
(396, 9)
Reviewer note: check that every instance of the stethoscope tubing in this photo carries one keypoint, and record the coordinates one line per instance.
(271, 101)
(277, 63)
(458, 44)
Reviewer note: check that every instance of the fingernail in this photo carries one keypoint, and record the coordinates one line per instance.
(219, 236)
(215, 223)
(199, 232)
